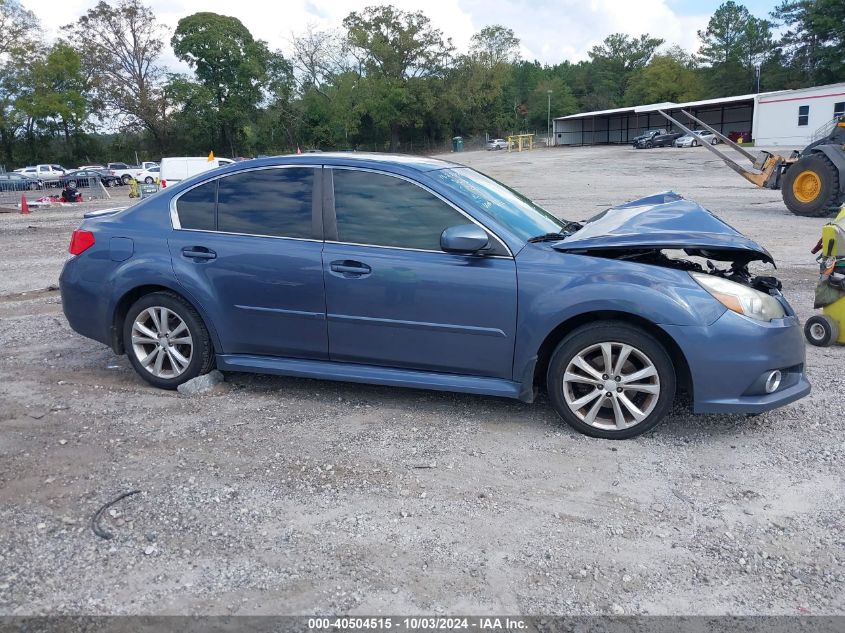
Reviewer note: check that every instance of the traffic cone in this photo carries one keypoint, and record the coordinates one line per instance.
(24, 205)
(298, 151)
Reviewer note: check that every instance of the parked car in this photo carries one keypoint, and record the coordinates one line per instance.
(91, 167)
(14, 181)
(663, 139)
(149, 176)
(647, 135)
(698, 137)
(178, 168)
(83, 177)
(400, 270)
(47, 174)
(497, 143)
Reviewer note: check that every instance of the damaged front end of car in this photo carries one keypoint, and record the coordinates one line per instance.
(668, 231)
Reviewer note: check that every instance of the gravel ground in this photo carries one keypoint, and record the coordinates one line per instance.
(270, 495)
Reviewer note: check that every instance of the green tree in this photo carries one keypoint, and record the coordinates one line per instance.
(120, 46)
(398, 53)
(560, 102)
(59, 99)
(814, 40)
(669, 76)
(733, 43)
(230, 63)
(613, 63)
(19, 48)
(494, 46)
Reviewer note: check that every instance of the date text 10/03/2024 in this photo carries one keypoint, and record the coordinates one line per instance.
(418, 623)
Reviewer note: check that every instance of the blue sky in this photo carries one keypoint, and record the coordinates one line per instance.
(550, 30)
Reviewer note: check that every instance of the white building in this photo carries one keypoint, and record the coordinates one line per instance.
(793, 117)
(786, 118)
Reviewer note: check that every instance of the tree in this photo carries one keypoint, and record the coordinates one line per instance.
(59, 97)
(494, 46)
(19, 29)
(732, 45)
(560, 102)
(614, 61)
(669, 76)
(814, 41)
(120, 46)
(19, 48)
(230, 63)
(398, 52)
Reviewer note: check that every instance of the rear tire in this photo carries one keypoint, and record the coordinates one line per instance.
(148, 180)
(180, 340)
(583, 389)
(125, 179)
(810, 187)
(821, 331)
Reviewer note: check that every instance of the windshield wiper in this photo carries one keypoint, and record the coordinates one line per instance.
(565, 232)
(547, 237)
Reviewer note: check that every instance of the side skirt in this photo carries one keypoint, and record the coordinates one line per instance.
(350, 372)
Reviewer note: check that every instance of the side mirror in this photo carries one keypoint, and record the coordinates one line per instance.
(465, 238)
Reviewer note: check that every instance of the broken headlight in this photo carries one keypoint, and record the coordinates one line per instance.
(742, 299)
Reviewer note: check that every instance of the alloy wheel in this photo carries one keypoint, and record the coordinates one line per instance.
(611, 386)
(162, 342)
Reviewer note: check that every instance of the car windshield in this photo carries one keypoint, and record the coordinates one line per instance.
(519, 214)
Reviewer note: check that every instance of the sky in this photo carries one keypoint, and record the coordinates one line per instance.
(550, 30)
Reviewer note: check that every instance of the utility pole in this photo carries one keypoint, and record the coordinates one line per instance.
(757, 69)
(549, 119)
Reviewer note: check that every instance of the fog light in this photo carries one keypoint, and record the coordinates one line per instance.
(773, 381)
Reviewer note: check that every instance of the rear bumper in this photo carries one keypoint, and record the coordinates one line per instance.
(729, 359)
(85, 304)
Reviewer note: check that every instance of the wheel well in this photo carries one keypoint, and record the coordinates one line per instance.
(554, 337)
(123, 305)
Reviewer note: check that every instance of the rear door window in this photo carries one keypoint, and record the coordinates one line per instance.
(196, 207)
(271, 202)
(380, 210)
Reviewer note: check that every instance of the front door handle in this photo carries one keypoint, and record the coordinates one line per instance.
(198, 252)
(350, 268)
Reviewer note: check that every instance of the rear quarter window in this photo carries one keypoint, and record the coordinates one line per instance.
(195, 207)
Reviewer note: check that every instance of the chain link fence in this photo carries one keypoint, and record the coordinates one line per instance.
(13, 187)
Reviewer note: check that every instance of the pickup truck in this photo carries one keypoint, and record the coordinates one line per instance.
(47, 174)
(656, 138)
(127, 172)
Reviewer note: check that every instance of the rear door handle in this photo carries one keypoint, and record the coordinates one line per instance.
(198, 252)
(350, 268)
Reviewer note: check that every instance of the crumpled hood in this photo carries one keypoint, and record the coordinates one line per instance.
(664, 220)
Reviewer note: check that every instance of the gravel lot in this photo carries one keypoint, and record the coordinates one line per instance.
(271, 495)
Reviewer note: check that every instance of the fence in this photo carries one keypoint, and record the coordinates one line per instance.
(11, 188)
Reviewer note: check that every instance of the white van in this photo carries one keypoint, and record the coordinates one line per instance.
(179, 168)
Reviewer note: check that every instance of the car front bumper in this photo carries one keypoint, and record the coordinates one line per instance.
(729, 359)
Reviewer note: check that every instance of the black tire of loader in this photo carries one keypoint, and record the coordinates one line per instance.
(829, 196)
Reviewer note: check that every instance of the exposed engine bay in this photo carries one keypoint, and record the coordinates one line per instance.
(736, 270)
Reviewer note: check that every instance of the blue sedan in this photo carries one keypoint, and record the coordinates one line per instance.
(415, 272)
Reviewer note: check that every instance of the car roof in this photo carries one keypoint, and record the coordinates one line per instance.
(351, 159)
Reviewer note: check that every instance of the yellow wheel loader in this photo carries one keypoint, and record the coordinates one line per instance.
(812, 182)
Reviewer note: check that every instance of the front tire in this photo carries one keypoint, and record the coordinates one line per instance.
(694, 144)
(810, 186)
(149, 180)
(166, 340)
(125, 178)
(611, 380)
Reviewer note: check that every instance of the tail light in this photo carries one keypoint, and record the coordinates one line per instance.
(163, 184)
(80, 242)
